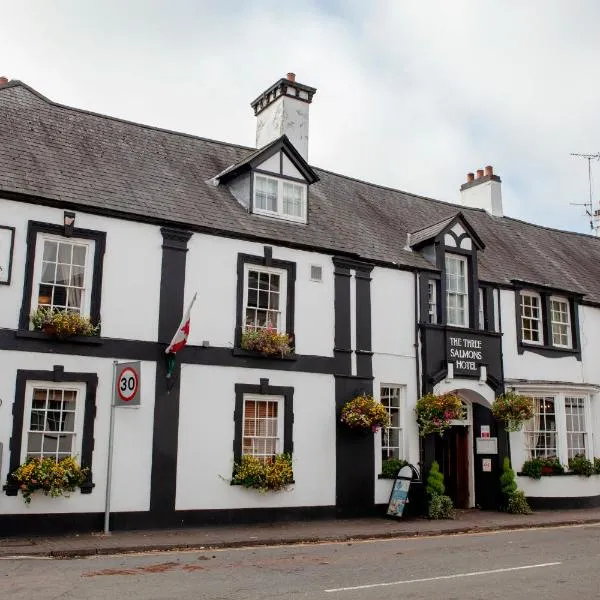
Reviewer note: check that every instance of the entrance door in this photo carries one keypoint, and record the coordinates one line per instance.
(452, 454)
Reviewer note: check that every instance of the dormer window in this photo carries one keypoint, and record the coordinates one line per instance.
(279, 198)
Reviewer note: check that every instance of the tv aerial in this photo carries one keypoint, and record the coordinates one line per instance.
(589, 205)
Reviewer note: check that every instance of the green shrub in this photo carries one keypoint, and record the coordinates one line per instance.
(440, 507)
(391, 466)
(580, 465)
(597, 465)
(517, 504)
(508, 481)
(435, 481)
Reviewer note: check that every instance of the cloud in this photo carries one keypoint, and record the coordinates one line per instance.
(410, 95)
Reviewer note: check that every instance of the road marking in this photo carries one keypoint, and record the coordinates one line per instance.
(455, 576)
(25, 557)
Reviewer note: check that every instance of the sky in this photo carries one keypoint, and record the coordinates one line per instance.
(410, 94)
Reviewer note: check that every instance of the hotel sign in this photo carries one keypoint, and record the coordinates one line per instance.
(466, 352)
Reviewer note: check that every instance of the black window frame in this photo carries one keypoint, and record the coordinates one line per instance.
(263, 389)
(57, 375)
(265, 261)
(546, 348)
(34, 228)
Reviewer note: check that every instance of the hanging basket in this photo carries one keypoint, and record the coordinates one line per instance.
(435, 413)
(513, 409)
(364, 413)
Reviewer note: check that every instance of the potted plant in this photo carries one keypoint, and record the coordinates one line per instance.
(440, 505)
(580, 465)
(272, 474)
(538, 467)
(515, 501)
(364, 412)
(267, 341)
(513, 409)
(435, 413)
(391, 466)
(52, 477)
(62, 323)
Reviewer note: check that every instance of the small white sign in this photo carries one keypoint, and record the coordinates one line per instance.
(485, 432)
(487, 465)
(486, 445)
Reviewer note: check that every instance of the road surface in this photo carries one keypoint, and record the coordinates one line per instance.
(555, 563)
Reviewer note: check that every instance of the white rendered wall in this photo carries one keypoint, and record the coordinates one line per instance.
(393, 321)
(486, 195)
(569, 486)
(211, 270)
(132, 443)
(530, 365)
(285, 115)
(131, 277)
(206, 434)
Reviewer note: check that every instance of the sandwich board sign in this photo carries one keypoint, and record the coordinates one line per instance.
(127, 384)
(399, 495)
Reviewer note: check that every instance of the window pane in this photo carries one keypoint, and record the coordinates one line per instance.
(62, 275)
(576, 427)
(456, 290)
(265, 196)
(540, 432)
(50, 250)
(391, 437)
(52, 422)
(293, 199)
(260, 428)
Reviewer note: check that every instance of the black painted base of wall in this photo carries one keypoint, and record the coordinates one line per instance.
(57, 524)
(564, 503)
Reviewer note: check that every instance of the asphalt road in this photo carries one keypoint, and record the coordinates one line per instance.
(557, 563)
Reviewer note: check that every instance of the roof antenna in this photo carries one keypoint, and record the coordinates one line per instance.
(589, 205)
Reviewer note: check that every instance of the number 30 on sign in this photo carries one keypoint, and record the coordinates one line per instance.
(127, 389)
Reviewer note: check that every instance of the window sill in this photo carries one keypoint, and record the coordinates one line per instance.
(90, 340)
(12, 489)
(548, 351)
(292, 482)
(565, 474)
(254, 354)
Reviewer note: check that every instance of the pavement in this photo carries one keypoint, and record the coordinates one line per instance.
(283, 533)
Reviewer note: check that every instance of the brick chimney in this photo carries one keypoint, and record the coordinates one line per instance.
(283, 108)
(3, 80)
(483, 191)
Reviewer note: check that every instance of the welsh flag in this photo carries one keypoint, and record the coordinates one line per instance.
(180, 338)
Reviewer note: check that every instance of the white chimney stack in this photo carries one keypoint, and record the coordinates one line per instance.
(483, 191)
(283, 108)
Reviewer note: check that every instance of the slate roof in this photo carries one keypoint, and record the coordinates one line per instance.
(429, 232)
(80, 159)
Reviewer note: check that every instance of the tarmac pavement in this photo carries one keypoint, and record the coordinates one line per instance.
(282, 533)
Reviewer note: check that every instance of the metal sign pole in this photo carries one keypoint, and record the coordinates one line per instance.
(110, 452)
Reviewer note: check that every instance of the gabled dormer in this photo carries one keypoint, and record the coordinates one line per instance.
(452, 296)
(273, 181)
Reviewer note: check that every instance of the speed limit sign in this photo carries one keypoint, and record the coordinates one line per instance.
(127, 384)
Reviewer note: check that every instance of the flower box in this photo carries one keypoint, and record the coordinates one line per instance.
(267, 341)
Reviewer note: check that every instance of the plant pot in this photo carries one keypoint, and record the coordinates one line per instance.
(512, 426)
(49, 329)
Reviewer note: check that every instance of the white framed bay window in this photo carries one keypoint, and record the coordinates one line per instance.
(457, 290)
(560, 321)
(280, 198)
(52, 420)
(560, 427)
